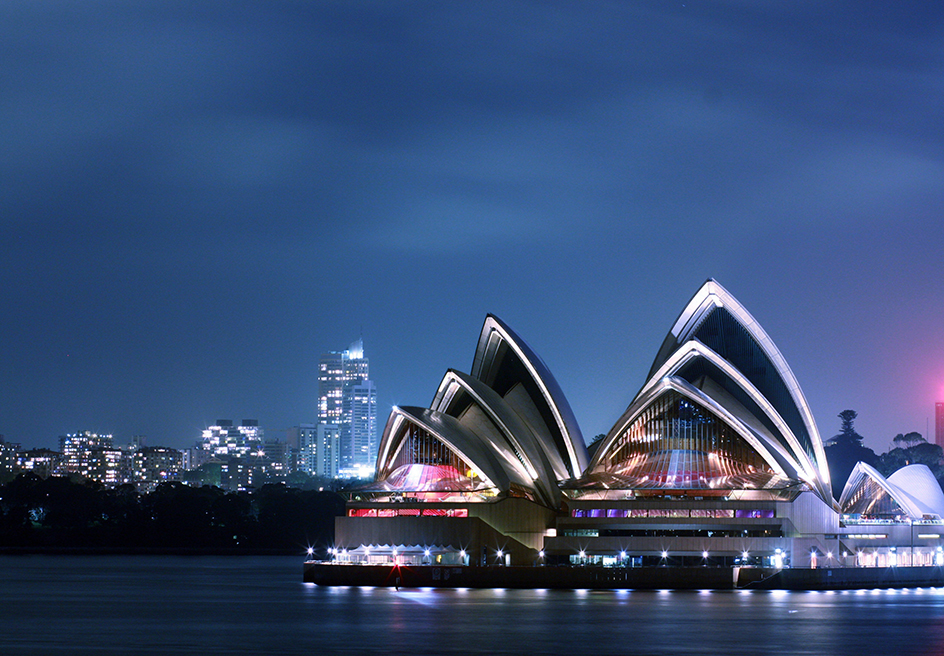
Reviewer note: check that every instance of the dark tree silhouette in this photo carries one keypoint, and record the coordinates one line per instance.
(844, 450)
(912, 452)
(847, 431)
(908, 440)
(69, 513)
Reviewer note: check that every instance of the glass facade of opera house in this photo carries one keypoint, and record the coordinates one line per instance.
(716, 461)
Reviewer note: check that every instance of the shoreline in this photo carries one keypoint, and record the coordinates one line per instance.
(145, 551)
(641, 578)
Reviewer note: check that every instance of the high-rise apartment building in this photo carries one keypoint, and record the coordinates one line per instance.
(347, 399)
(361, 406)
(303, 436)
(8, 451)
(153, 465)
(939, 423)
(327, 450)
(91, 455)
(318, 449)
(42, 462)
(224, 439)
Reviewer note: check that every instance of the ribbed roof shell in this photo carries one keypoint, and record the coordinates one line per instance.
(505, 362)
(456, 437)
(717, 347)
(913, 488)
(480, 408)
(509, 420)
(918, 482)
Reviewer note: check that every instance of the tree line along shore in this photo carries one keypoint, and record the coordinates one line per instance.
(74, 515)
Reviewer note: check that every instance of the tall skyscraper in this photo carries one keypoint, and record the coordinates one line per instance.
(318, 449)
(297, 437)
(939, 423)
(347, 399)
(361, 405)
(327, 452)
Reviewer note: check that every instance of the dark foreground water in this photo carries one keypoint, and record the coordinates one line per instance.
(258, 605)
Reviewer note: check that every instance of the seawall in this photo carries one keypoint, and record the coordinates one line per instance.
(642, 578)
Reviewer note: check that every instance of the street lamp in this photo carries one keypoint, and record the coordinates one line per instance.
(911, 530)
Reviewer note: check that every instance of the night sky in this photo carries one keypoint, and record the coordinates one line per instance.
(199, 198)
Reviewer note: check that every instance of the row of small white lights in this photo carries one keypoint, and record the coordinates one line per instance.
(583, 554)
(426, 552)
(665, 554)
(500, 553)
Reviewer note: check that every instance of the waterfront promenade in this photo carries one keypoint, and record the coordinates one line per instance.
(639, 578)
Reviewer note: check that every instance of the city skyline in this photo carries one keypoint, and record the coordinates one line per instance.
(199, 201)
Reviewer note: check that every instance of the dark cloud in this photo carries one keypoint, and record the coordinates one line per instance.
(197, 199)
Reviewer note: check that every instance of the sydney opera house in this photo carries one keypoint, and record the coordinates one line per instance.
(717, 461)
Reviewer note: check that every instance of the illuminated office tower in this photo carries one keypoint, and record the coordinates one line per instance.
(301, 438)
(361, 406)
(318, 449)
(347, 399)
(327, 451)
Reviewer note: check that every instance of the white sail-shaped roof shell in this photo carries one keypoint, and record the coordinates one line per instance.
(772, 426)
(913, 488)
(919, 484)
(495, 422)
(542, 406)
(780, 441)
(491, 461)
(765, 447)
(711, 297)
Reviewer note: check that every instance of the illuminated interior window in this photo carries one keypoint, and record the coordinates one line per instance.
(675, 443)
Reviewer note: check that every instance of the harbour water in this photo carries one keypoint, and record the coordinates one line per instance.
(259, 605)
